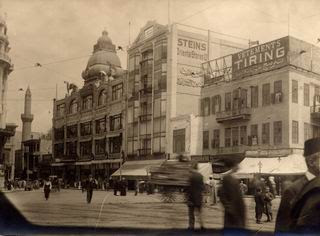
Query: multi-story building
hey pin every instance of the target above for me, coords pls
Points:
(88, 123)
(164, 82)
(38, 157)
(263, 101)
(6, 130)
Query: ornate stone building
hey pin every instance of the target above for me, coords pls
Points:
(88, 123)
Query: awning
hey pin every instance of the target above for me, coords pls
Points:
(293, 164)
(135, 169)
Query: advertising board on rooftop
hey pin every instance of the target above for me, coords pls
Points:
(259, 59)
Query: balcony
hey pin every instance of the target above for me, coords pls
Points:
(315, 112)
(241, 114)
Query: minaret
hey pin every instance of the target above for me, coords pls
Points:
(27, 117)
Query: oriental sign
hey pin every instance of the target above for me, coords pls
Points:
(259, 59)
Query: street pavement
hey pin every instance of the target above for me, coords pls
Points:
(69, 208)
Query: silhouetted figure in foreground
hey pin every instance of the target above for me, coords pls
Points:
(194, 196)
(231, 198)
(300, 204)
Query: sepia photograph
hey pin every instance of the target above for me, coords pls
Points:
(159, 117)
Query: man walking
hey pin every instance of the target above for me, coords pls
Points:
(194, 196)
(259, 200)
(300, 204)
(90, 185)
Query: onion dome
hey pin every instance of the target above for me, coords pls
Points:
(104, 59)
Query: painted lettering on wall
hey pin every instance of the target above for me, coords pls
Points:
(261, 58)
(192, 48)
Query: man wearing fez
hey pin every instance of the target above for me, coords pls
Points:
(300, 205)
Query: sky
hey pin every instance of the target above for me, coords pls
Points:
(60, 34)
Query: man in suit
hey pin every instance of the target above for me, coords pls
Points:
(90, 185)
(194, 196)
(259, 200)
(300, 205)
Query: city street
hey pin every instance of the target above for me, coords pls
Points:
(69, 208)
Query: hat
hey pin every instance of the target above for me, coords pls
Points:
(311, 146)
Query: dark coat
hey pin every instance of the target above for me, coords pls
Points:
(305, 213)
(90, 184)
(195, 189)
(288, 198)
(259, 200)
(234, 207)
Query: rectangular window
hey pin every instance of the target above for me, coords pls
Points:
(216, 104)
(235, 136)
(85, 148)
(227, 137)
(294, 91)
(228, 101)
(277, 132)
(266, 133)
(72, 131)
(206, 106)
(115, 122)
(216, 139)
(205, 139)
(179, 137)
(243, 98)
(266, 94)
(117, 91)
(295, 131)
(307, 131)
(85, 128)
(61, 110)
(243, 135)
(115, 144)
(71, 148)
(316, 90)
(277, 86)
(235, 99)
(100, 126)
(306, 94)
(254, 96)
(254, 135)
(100, 146)
(59, 133)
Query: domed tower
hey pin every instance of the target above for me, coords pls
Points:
(5, 68)
(27, 117)
(104, 60)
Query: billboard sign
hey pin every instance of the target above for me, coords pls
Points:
(192, 51)
(261, 58)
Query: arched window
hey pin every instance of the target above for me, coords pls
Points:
(102, 98)
(73, 107)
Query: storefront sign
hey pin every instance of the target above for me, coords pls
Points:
(262, 58)
(192, 48)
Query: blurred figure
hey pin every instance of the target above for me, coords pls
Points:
(273, 185)
(47, 186)
(299, 208)
(243, 188)
(115, 187)
(268, 197)
(194, 196)
(231, 198)
(136, 189)
(259, 200)
(213, 192)
(123, 188)
(90, 185)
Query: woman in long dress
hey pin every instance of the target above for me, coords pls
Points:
(47, 188)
